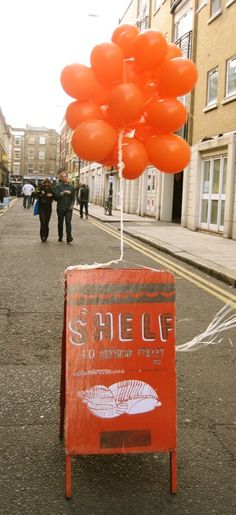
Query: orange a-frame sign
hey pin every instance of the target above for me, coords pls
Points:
(118, 380)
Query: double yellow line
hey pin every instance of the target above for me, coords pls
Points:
(211, 288)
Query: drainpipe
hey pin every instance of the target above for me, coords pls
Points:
(193, 57)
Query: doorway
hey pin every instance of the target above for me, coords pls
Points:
(177, 197)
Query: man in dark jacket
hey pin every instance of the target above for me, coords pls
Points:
(44, 194)
(84, 199)
(65, 197)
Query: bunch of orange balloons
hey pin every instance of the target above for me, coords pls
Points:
(131, 87)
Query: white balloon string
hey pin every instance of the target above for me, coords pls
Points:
(120, 171)
(223, 321)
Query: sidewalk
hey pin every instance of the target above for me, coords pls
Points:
(212, 254)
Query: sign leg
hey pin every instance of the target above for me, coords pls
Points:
(63, 373)
(68, 477)
(62, 390)
(173, 472)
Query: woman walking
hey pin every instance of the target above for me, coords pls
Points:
(44, 194)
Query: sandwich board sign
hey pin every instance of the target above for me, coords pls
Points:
(118, 379)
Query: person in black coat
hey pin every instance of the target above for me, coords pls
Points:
(65, 197)
(44, 194)
(84, 200)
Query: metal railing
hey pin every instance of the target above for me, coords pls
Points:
(185, 44)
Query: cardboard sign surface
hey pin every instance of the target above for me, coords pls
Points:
(120, 361)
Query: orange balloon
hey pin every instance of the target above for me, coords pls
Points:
(107, 63)
(78, 81)
(173, 51)
(101, 94)
(166, 114)
(125, 104)
(178, 77)
(134, 157)
(107, 117)
(150, 49)
(143, 131)
(78, 112)
(168, 152)
(93, 140)
(108, 160)
(124, 36)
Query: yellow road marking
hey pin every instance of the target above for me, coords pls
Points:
(200, 282)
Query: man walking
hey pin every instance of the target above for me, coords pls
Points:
(65, 197)
(27, 191)
(84, 200)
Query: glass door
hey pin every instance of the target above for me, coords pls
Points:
(213, 194)
(150, 204)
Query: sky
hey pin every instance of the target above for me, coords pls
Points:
(38, 38)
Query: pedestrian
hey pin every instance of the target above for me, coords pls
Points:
(84, 200)
(27, 191)
(65, 197)
(44, 193)
(77, 188)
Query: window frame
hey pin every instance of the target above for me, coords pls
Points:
(227, 94)
(30, 154)
(42, 153)
(209, 76)
(218, 10)
(17, 153)
(30, 168)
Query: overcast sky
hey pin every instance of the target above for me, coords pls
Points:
(37, 39)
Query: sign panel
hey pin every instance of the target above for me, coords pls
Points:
(120, 391)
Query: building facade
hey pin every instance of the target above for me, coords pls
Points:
(202, 197)
(17, 155)
(209, 193)
(41, 152)
(34, 153)
(5, 151)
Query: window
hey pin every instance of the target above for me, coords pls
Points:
(41, 167)
(16, 153)
(184, 24)
(212, 84)
(41, 154)
(52, 165)
(157, 5)
(16, 168)
(142, 21)
(142, 8)
(151, 191)
(17, 140)
(215, 7)
(30, 168)
(31, 140)
(30, 154)
(231, 77)
(42, 140)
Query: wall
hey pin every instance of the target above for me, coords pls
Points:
(216, 43)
